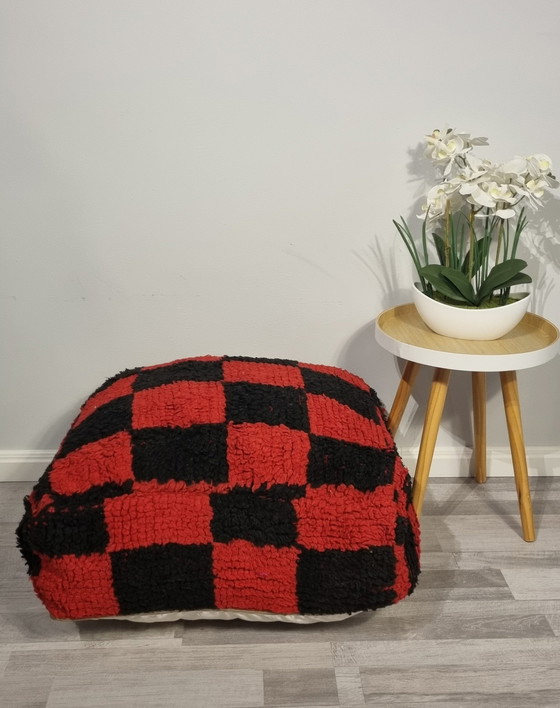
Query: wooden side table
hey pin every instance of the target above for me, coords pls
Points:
(534, 341)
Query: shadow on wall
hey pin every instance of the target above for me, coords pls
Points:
(52, 436)
(540, 247)
(380, 260)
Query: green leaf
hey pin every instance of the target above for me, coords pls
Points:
(432, 273)
(440, 247)
(408, 240)
(478, 255)
(499, 276)
(461, 282)
(518, 279)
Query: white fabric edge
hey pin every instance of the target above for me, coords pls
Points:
(227, 615)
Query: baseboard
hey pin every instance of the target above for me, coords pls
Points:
(542, 461)
(24, 465)
(29, 465)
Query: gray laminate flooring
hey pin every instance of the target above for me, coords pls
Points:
(483, 628)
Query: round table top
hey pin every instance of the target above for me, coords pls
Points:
(401, 331)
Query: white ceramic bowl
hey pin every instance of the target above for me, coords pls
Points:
(466, 323)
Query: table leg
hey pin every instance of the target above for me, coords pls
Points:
(432, 420)
(403, 394)
(515, 431)
(479, 419)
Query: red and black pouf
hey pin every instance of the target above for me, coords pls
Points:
(224, 483)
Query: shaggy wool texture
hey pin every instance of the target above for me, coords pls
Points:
(228, 483)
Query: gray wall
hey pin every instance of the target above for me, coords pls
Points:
(182, 178)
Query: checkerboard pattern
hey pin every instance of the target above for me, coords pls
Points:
(224, 483)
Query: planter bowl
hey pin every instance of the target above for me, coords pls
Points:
(470, 323)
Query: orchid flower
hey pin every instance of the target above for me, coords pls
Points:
(476, 214)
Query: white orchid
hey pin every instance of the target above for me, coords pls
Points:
(534, 190)
(477, 196)
(516, 167)
(475, 214)
(539, 164)
(501, 192)
(535, 187)
(478, 141)
(445, 147)
(439, 198)
(481, 184)
(475, 167)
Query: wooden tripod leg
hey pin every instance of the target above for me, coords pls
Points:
(403, 394)
(512, 408)
(479, 419)
(432, 420)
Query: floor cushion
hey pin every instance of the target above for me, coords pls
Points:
(224, 486)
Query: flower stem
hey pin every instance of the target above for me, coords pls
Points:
(472, 242)
(446, 233)
(500, 240)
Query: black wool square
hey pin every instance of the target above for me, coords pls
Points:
(195, 454)
(258, 517)
(111, 418)
(404, 536)
(261, 403)
(181, 371)
(337, 462)
(402, 530)
(332, 582)
(407, 488)
(163, 578)
(262, 360)
(63, 532)
(110, 381)
(24, 542)
(357, 399)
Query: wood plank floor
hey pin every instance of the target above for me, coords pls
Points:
(482, 628)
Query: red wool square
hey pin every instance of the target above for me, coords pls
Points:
(252, 578)
(266, 454)
(335, 420)
(182, 404)
(400, 473)
(339, 517)
(262, 373)
(122, 387)
(77, 587)
(107, 460)
(137, 520)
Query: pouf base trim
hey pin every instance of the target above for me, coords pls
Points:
(194, 615)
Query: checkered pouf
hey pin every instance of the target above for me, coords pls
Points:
(224, 483)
